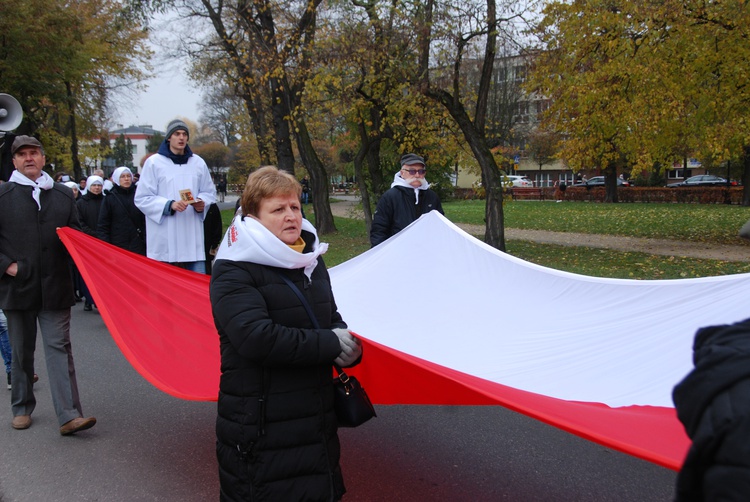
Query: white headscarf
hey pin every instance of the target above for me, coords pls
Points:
(93, 180)
(398, 181)
(43, 182)
(119, 172)
(247, 239)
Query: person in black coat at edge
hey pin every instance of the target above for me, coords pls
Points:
(89, 206)
(276, 428)
(713, 403)
(120, 222)
(213, 231)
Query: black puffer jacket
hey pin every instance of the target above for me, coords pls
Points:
(89, 206)
(276, 428)
(713, 403)
(120, 222)
(397, 209)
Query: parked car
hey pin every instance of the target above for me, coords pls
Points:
(513, 180)
(598, 181)
(701, 180)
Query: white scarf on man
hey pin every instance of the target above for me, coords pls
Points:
(44, 182)
(398, 181)
(247, 239)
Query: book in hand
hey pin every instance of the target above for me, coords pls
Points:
(186, 195)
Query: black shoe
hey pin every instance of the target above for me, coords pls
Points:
(87, 307)
(9, 381)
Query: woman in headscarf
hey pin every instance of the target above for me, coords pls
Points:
(120, 222)
(89, 206)
(276, 428)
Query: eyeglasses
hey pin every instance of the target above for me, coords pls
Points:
(414, 171)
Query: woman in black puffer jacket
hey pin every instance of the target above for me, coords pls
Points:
(120, 222)
(276, 428)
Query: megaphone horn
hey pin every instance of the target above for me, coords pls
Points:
(11, 113)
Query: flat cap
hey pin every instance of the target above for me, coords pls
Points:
(410, 159)
(22, 141)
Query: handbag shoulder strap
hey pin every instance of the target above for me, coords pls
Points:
(313, 319)
(302, 300)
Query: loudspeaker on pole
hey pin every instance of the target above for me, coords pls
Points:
(11, 113)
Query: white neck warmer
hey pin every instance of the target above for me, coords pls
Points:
(248, 240)
(44, 182)
(398, 181)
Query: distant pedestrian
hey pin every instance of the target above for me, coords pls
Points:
(221, 189)
(305, 190)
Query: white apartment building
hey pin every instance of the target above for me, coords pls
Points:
(138, 136)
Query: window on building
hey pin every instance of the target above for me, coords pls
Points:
(678, 174)
(520, 73)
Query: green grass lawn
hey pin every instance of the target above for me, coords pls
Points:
(716, 223)
(705, 223)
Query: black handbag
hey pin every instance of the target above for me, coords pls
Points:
(352, 405)
(350, 400)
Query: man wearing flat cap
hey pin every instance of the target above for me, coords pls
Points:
(174, 190)
(408, 198)
(37, 286)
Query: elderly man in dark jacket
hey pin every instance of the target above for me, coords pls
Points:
(408, 198)
(713, 403)
(37, 285)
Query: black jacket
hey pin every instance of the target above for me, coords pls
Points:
(276, 428)
(397, 209)
(29, 237)
(89, 206)
(212, 233)
(713, 403)
(120, 222)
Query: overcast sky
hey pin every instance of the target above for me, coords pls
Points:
(169, 96)
(170, 93)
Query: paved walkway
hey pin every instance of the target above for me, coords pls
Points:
(346, 206)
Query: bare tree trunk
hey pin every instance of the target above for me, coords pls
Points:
(318, 180)
(280, 112)
(610, 183)
(364, 193)
(474, 132)
(257, 119)
(494, 234)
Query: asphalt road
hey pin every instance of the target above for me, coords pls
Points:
(148, 446)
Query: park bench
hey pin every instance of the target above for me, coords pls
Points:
(527, 193)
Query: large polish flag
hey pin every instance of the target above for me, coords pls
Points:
(447, 320)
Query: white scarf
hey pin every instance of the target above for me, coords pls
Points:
(398, 181)
(248, 240)
(44, 182)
